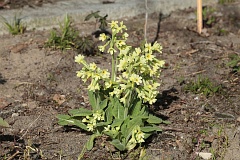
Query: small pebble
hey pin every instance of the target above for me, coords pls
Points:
(15, 115)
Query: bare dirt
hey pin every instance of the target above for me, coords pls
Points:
(18, 4)
(37, 83)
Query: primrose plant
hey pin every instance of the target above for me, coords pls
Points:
(120, 98)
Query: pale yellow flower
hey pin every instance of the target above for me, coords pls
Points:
(122, 64)
(161, 63)
(111, 51)
(149, 56)
(107, 128)
(125, 75)
(102, 37)
(157, 47)
(92, 66)
(125, 35)
(140, 137)
(97, 115)
(101, 48)
(138, 51)
(84, 120)
(120, 43)
(135, 79)
(90, 127)
(148, 47)
(79, 58)
(108, 84)
(105, 74)
(114, 24)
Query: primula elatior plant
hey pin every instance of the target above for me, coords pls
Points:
(119, 99)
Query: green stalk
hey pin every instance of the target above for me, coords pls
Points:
(113, 76)
(128, 102)
(113, 69)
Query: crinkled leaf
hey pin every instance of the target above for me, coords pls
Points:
(99, 124)
(137, 121)
(92, 99)
(109, 115)
(111, 134)
(93, 14)
(79, 123)
(130, 145)
(136, 108)
(166, 122)
(118, 109)
(124, 127)
(150, 129)
(118, 144)
(64, 119)
(80, 112)
(3, 123)
(68, 120)
(117, 123)
(91, 141)
(154, 120)
(103, 104)
(146, 135)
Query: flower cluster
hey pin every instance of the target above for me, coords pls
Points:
(93, 119)
(136, 69)
(137, 137)
(91, 71)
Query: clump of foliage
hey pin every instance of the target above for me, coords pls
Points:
(234, 62)
(208, 17)
(66, 38)
(15, 26)
(102, 20)
(119, 99)
(225, 1)
(203, 86)
(3, 123)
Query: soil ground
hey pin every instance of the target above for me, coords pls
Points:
(17, 4)
(37, 83)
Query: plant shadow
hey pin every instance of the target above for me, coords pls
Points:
(165, 99)
(11, 138)
(2, 80)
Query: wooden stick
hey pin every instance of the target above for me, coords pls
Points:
(146, 19)
(199, 16)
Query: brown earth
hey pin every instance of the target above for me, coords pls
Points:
(37, 83)
(17, 4)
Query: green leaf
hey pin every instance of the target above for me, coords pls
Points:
(109, 115)
(147, 134)
(99, 124)
(130, 125)
(166, 122)
(117, 122)
(150, 129)
(92, 99)
(80, 112)
(3, 123)
(93, 14)
(130, 145)
(137, 108)
(103, 104)
(64, 119)
(111, 134)
(118, 144)
(91, 141)
(118, 109)
(154, 120)
(80, 124)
